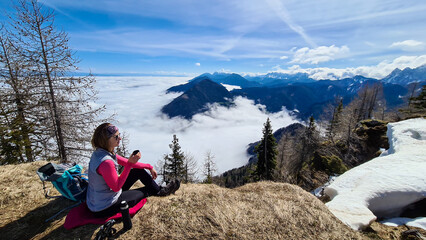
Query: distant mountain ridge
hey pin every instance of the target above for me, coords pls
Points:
(406, 76)
(276, 79)
(280, 79)
(277, 91)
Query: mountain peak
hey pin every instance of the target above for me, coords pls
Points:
(396, 71)
(196, 98)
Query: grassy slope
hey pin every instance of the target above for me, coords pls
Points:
(262, 210)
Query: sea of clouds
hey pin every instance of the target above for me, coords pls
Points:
(137, 103)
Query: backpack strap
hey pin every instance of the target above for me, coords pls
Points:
(52, 217)
(47, 191)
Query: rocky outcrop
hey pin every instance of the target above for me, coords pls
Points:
(372, 134)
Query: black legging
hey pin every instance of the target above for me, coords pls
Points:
(132, 197)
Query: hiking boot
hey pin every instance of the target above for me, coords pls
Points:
(167, 190)
(177, 185)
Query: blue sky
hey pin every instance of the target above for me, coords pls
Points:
(325, 38)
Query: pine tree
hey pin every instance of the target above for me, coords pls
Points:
(209, 167)
(309, 141)
(312, 135)
(266, 154)
(174, 163)
(334, 123)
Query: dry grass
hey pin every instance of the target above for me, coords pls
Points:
(262, 210)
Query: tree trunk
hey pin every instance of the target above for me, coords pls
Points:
(56, 117)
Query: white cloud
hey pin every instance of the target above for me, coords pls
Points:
(283, 57)
(197, 64)
(378, 71)
(226, 132)
(319, 54)
(408, 45)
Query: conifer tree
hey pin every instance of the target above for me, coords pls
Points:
(209, 167)
(309, 141)
(334, 122)
(174, 163)
(266, 154)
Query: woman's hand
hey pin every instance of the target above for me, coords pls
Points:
(135, 158)
(153, 173)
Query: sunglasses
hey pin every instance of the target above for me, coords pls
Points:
(116, 137)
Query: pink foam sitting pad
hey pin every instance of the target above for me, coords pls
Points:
(81, 215)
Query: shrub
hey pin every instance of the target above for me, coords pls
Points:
(329, 164)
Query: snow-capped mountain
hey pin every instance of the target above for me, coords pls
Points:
(406, 76)
(280, 79)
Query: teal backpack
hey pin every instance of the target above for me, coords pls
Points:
(68, 180)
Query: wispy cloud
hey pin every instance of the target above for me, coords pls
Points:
(164, 43)
(254, 34)
(362, 14)
(409, 45)
(153, 43)
(280, 10)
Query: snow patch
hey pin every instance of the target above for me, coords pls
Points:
(383, 186)
(230, 87)
(319, 192)
(419, 222)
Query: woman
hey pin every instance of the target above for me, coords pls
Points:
(106, 188)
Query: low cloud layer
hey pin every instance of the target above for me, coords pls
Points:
(225, 132)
